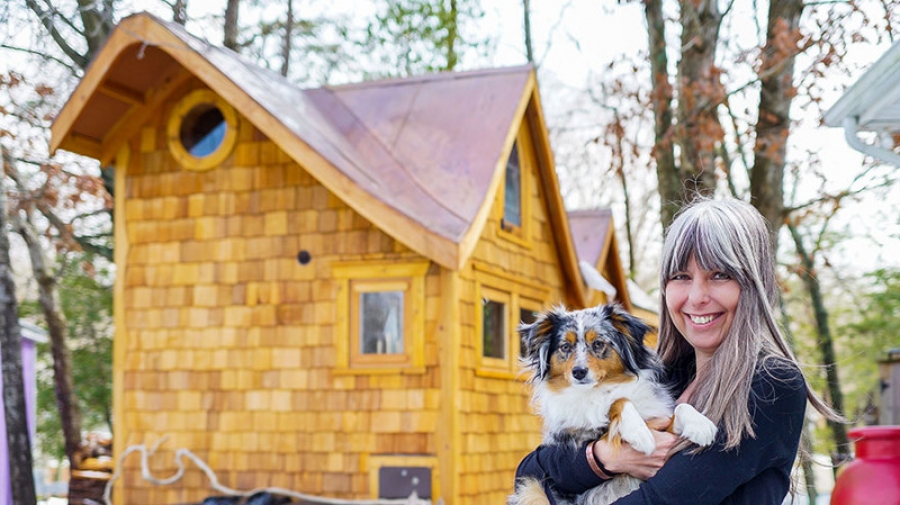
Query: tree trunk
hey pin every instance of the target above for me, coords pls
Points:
(179, 12)
(48, 297)
(809, 474)
(288, 43)
(17, 434)
(774, 122)
(699, 94)
(452, 35)
(669, 183)
(230, 40)
(526, 25)
(826, 346)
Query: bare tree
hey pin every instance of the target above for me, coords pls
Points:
(230, 39)
(17, 435)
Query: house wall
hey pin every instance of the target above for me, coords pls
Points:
(229, 347)
(497, 425)
(227, 344)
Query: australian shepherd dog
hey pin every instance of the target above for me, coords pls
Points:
(592, 377)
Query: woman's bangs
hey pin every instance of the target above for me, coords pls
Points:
(710, 245)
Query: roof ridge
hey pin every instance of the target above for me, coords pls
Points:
(418, 79)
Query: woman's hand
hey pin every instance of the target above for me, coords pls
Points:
(637, 464)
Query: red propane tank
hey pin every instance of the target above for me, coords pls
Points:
(873, 477)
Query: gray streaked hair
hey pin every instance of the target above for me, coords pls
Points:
(730, 236)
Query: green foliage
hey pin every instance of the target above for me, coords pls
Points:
(86, 301)
(867, 338)
(411, 37)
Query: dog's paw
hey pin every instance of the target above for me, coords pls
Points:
(634, 430)
(693, 425)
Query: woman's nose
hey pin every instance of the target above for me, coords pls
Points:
(699, 293)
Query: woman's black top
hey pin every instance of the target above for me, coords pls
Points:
(757, 472)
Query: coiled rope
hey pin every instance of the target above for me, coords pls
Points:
(413, 498)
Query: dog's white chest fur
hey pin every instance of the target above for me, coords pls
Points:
(578, 409)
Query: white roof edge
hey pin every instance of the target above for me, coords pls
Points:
(874, 84)
(32, 332)
(640, 298)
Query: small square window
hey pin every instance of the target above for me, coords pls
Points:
(381, 323)
(381, 328)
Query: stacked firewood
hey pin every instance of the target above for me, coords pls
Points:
(87, 481)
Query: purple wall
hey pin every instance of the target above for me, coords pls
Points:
(29, 354)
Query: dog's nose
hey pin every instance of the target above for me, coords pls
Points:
(579, 373)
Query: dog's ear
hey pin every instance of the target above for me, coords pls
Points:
(634, 353)
(537, 339)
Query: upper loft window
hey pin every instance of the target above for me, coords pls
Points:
(512, 204)
(202, 130)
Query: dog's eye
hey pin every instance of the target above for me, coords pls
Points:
(565, 347)
(598, 346)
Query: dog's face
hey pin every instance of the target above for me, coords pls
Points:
(585, 348)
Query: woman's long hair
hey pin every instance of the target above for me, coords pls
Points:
(732, 237)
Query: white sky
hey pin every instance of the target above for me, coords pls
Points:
(573, 38)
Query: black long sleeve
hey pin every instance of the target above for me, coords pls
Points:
(757, 472)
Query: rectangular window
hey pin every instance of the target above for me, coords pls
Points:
(380, 324)
(381, 327)
(526, 316)
(502, 302)
(512, 204)
(493, 329)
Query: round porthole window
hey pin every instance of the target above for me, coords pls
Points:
(202, 130)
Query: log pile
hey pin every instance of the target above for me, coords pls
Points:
(88, 481)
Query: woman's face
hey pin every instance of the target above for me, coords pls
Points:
(702, 303)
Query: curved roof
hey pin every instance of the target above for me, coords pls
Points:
(422, 158)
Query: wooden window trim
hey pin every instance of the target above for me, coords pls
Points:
(503, 364)
(521, 294)
(520, 235)
(361, 276)
(181, 110)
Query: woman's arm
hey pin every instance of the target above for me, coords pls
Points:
(759, 468)
(569, 470)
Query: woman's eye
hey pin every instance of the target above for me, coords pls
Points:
(721, 276)
(679, 277)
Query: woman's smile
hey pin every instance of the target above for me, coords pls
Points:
(702, 304)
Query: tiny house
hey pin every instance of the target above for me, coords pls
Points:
(318, 289)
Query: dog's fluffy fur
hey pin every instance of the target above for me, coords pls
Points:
(592, 377)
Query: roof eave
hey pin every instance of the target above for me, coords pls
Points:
(873, 88)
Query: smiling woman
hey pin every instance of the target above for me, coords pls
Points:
(702, 304)
(724, 355)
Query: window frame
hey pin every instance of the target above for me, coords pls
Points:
(518, 234)
(358, 287)
(519, 294)
(504, 297)
(173, 130)
(356, 277)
